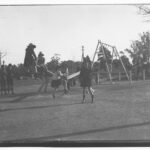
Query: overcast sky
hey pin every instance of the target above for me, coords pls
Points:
(63, 29)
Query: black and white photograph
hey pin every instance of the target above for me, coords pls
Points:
(75, 74)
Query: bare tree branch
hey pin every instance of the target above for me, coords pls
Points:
(143, 10)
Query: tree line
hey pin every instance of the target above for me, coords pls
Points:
(136, 59)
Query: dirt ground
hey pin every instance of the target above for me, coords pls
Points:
(120, 112)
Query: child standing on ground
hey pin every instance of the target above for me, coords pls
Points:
(65, 79)
(3, 80)
(86, 78)
(10, 84)
(56, 80)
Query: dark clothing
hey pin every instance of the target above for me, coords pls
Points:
(30, 57)
(43, 71)
(3, 80)
(41, 61)
(85, 77)
(9, 79)
(56, 83)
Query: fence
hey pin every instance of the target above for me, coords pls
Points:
(120, 76)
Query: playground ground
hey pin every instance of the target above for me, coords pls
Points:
(120, 112)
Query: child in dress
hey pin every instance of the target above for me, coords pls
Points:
(86, 78)
(43, 72)
(56, 80)
(65, 79)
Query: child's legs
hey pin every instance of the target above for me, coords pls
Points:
(46, 83)
(8, 86)
(65, 85)
(91, 91)
(84, 92)
(54, 91)
(42, 85)
(12, 86)
(4, 85)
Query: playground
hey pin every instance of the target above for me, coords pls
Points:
(74, 73)
(120, 112)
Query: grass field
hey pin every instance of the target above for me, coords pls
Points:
(119, 112)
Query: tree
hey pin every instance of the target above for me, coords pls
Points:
(140, 49)
(55, 61)
(140, 53)
(144, 11)
(126, 62)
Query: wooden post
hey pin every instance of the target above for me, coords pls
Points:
(130, 75)
(119, 76)
(121, 63)
(98, 78)
(144, 74)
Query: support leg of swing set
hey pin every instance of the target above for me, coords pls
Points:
(115, 50)
(95, 54)
(109, 73)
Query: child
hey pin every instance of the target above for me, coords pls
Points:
(56, 80)
(3, 80)
(85, 78)
(10, 85)
(65, 79)
(45, 79)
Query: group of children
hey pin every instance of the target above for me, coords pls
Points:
(58, 78)
(6, 80)
(85, 79)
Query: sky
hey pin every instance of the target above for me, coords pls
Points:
(63, 29)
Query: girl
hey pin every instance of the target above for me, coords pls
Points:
(56, 80)
(85, 77)
(65, 79)
(44, 74)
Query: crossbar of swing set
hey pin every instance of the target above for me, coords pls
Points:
(106, 44)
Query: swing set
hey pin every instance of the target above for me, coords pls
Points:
(101, 53)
